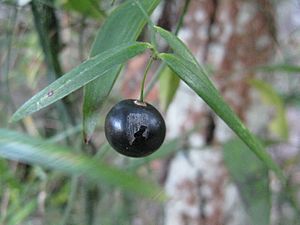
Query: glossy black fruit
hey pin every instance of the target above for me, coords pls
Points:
(134, 128)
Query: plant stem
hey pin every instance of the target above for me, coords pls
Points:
(144, 78)
(150, 24)
(71, 200)
(180, 21)
(6, 66)
(47, 28)
(163, 65)
(155, 78)
(81, 38)
(91, 199)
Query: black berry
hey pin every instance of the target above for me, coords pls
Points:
(134, 128)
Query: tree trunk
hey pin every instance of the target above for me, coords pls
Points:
(230, 35)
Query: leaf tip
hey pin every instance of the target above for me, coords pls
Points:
(14, 118)
(87, 138)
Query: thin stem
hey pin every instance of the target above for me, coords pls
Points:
(81, 38)
(290, 193)
(180, 21)
(144, 78)
(71, 200)
(100, 11)
(155, 78)
(48, 32)
(151, 25)
(145, 13)
(91, 193)
(6, 67)
(4, 205)
(163, 65)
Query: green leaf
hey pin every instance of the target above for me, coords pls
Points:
(251, 179)
(177, 45)
(292, 98)
(279, 123)
(15, 146)
(87, 8)
(22, 213)
(286, 68)
(123, 25)
(199, 82)
(196, 78)
(168, 85)
(86, 72)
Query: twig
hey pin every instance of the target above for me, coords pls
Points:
(144, 78)
(80, 38)
(180, 21)
(6, 67)
(91, 197)
(4, 204)
(71, 200)
(150, 24)
(163, 65)
(212, 20)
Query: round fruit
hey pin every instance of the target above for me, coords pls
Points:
(134, 128)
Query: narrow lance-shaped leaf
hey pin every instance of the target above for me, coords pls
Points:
(22, 213)
(278, 124)
(123, 25)
(285, 68)
(168, 85)
(189, 70)
(198, 81)
(251, 179)
(16, 146)
(89, 70)
(88, 8)
(181, 50)
(177, 45)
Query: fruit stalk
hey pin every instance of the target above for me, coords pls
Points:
(144, 78)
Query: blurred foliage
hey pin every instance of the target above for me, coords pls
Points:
(252, 179)
(286, 68)
(16, 146)
(278, 125)
(168, 83)
(27, 191)
(86, 8)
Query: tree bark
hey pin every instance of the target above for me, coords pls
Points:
(232, 36)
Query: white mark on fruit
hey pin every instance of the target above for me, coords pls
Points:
(137, 127)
